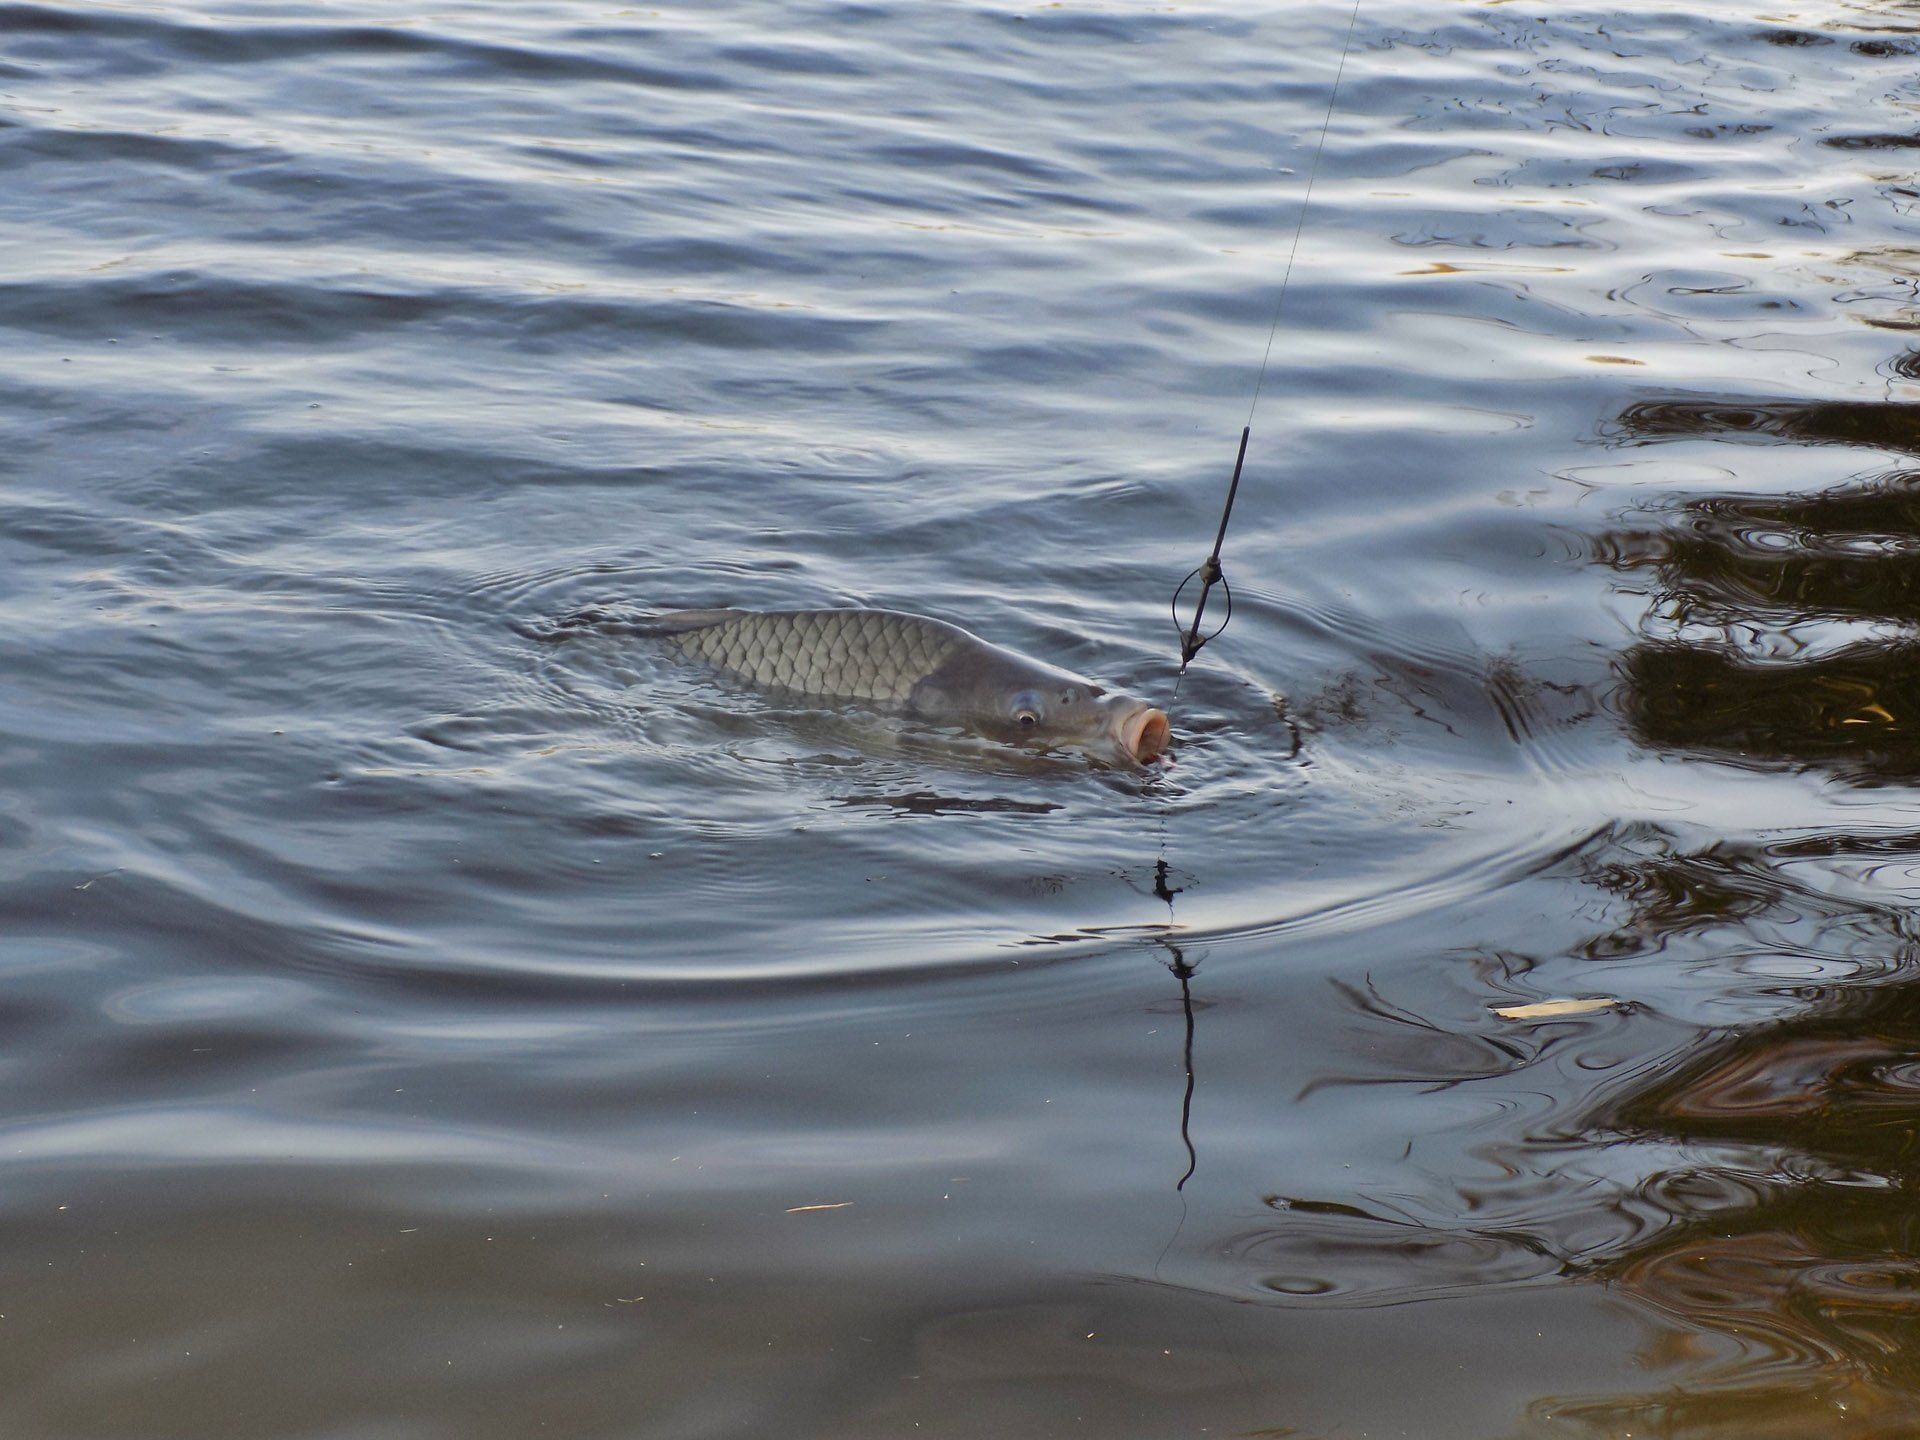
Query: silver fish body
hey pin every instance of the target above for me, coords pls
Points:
(918, 666)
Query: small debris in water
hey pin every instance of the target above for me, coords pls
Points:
(1555, 1009)
(803, 1209)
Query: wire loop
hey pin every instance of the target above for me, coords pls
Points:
(1191, 642)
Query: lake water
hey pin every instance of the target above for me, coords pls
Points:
(413, 1025)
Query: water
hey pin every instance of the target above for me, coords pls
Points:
(414, 1027)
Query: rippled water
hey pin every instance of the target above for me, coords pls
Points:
(416, 1027)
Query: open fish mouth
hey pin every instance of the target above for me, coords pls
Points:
(1145, 734)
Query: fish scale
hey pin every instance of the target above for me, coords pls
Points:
(853, 655)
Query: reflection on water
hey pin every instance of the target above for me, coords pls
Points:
(1891, 425)
(1856, 709)
(1785, 1273)
(1774, 1247)
(1782, 622)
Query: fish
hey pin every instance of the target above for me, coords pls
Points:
(921, 667)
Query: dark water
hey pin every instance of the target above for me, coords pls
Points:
(414, 1028)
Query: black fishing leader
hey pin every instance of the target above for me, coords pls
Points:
(1209, 573)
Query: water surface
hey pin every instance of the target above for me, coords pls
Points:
(416, 1025)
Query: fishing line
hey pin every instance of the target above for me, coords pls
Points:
(1209, 572)
(1192, 640)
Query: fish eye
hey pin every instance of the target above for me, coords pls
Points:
(1067, 697)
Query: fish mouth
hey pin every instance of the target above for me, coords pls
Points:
(1145, 733)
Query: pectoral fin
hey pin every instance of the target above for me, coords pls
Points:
(929, 701)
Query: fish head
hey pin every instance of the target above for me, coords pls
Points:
(1011, 698)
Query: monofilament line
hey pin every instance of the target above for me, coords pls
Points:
(1306, 201)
